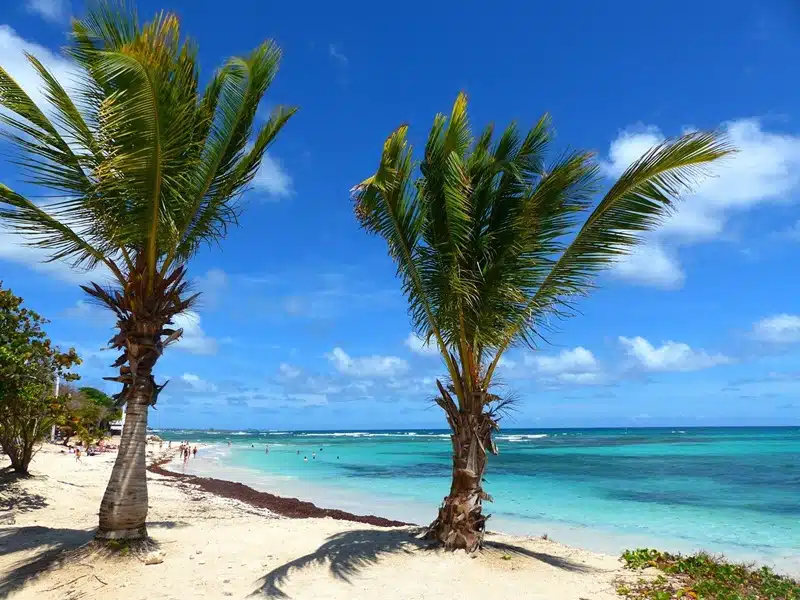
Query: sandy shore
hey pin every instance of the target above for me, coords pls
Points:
(218, 547)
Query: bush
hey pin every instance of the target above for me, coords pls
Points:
(703, 577)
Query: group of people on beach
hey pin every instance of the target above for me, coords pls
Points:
(90, 450)
(185, 450)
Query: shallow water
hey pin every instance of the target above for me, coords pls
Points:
(731, 490)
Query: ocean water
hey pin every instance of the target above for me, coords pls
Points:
(727, 490)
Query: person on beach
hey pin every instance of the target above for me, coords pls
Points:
(194, 451)
(266, 449)
(78, 455)
(169, 444)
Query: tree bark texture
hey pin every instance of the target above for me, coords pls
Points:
(123, 510)
(461, 522)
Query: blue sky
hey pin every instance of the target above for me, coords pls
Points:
(302, 324)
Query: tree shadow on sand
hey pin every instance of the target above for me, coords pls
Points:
(53, 545)
(14, 497)
(50, 547)
(349, 552)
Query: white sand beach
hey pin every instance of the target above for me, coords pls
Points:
(214, 547)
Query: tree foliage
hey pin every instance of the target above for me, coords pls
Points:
(84, 413)
(493, 240)
(29, 364)
(142, 166)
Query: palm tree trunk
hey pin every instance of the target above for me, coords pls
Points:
(123, 511)
(461, 523)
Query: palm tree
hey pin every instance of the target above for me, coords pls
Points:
(488, 247)
(143, 168)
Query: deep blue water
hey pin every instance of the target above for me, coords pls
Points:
(735, 490)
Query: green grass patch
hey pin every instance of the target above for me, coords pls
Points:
(702, 577)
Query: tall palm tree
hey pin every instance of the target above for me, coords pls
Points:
(143, 168)
(492, 243)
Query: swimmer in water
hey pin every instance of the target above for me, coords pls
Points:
(305, 459)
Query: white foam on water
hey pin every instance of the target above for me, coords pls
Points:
(521, 437)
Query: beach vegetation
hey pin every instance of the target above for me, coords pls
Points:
(29, 366)
(84, 413)
(702, 576)
(493, 243)
(142, 167)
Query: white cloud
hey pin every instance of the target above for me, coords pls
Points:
(651, 265)
(194, 339)
(670, 356)
(272, 178)
(506, 363)
(13, 249)
(50, 10)
(13, 48)
(577, 360)
(367, 366)
(197, 384)
(575, 366)
(780, 329)
(288, 370)
(417, 345)
(766, 169)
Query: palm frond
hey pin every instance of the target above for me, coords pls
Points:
(386, 204)
(44, 231)
(638, 202)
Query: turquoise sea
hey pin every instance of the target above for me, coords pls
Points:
(729, 490)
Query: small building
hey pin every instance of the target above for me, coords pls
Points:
(116, 426)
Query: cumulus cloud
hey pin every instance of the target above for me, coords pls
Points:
(651, 265)
(567, 361)
(778, 329)
(197, 384)
(417, 345)
(13, 49)
(366, 366)
(577, 366)
(766, 169)
(50, 10)
(194, 339)
(273, 178)
(670, 356)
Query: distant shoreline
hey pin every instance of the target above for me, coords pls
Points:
(156, 430)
